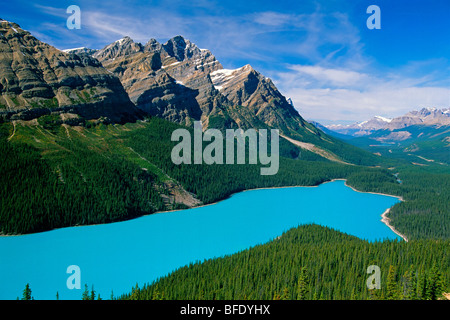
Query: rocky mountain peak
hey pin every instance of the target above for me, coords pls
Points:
(181, 48)
(119, 48)
(153, 46)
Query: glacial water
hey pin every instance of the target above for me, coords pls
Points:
(114, 257)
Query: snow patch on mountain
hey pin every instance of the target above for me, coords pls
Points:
(383, 119)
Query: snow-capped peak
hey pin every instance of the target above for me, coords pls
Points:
(362, 123)
(120, 41)
(73, 49)
(383, 119)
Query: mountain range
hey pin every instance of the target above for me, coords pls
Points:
(126, 81)
(423, 134)
(423, 117)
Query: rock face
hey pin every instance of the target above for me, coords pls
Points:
(37, 79)
(257, 98)
(183, 83)
(168, 80)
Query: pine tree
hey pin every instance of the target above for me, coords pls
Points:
(409, 285)
(302, 284)
(391, 290)
(421, 286)
(92, 296)
(27, 293)
(135, 293)
(85, 295)
(353, 294)
(285, 295)
(434, 287)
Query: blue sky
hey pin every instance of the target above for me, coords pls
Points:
(319, 53)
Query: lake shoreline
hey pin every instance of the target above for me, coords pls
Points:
(387, 221)
(384, 217)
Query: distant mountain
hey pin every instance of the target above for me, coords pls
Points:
(361, 128)
(38, 79)
(331, 132)
(425, 117)
(418, 135)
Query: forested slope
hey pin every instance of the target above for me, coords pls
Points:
(312, 262)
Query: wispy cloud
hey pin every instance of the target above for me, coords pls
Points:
(271, 18)
(341, 94)
(259, 35)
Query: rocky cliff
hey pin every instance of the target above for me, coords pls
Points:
(167, 80)
(37, 79)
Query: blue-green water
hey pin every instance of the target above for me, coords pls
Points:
(117, 256)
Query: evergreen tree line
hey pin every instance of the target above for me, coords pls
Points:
(425, 211)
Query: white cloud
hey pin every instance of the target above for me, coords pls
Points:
(331, 76)
(342, 94)
(270, 18)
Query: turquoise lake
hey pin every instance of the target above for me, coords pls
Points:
(114, 257)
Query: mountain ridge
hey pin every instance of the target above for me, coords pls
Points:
(425, 116)
(37, 79)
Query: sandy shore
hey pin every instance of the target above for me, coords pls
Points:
(384, 217)
(386, 221)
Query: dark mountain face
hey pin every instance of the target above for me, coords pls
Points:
(168, 80)
(37, 79)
